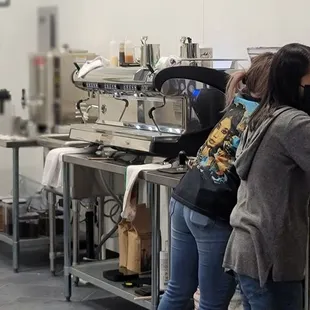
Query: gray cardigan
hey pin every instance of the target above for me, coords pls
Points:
(270, 220)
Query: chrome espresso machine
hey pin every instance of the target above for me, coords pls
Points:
(158, 113)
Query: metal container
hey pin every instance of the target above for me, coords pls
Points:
(189, 49)
(52, 96)
(150, 53)
(207, 53)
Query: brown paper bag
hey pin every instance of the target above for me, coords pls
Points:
(123, 228)
(140, 241)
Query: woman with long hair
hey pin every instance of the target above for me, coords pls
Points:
(202, 202)
(267, 247)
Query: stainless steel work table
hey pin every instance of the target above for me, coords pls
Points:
(15, 144)
(93, 272)
(49, 142)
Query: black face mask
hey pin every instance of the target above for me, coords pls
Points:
(305, 99)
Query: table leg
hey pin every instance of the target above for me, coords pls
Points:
(101, 210)
(52, 230)
(67, 230)
(15, 209)
(169, 230)
(154, 203)
(75, 236)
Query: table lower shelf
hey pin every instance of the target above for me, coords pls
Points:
(33, 242)
(93, 273)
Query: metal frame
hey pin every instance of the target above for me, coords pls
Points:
(15, 241)
(92, 271)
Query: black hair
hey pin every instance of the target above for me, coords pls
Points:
(288, 66)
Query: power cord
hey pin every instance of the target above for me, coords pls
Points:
(115, 227)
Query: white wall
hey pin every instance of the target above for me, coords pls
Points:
(94, 23)
(231, 26)
(228, 26)
(18, 37)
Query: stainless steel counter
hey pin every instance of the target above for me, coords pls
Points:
(99, 164)
(53, 141)
(161, 178)
(156, 177)
(17, 142)
(92, 272)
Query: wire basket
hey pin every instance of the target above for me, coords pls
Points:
(33, 192)
(28, 187)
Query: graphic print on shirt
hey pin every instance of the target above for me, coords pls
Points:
(218, 153)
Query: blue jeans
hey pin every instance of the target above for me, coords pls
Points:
(197, 249)
(273, 296)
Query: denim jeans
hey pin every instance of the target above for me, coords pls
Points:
(197, 248)
(273, 296)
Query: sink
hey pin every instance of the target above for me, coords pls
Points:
(52, 141)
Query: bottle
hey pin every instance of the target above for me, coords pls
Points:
(129, 51)
(163, 268)
(121, 53)
(113, 54)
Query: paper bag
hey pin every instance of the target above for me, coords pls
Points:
(123, 228)
(140, 241)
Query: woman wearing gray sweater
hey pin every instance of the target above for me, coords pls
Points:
(267, 247)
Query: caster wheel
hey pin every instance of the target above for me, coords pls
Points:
(53, 273)
(68, 299)
(15, 270)
(76, 283)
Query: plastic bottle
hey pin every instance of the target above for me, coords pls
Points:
(164, 268)
(121, 53)
(113, 54)
(129, 52)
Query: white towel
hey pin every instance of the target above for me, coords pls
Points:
(166, 62)
(132, 174)
(91, 65)
(53, 167)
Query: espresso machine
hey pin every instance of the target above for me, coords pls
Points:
(152, 112)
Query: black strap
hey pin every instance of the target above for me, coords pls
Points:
(215, 78)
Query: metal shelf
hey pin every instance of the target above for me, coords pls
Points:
(92, 273)
(42, 240)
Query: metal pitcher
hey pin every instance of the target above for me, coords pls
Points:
(189, 49)
(150, 53)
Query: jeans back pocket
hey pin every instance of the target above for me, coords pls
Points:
(201, 220)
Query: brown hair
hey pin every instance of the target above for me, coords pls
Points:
(252, 82)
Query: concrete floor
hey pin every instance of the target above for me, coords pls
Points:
(34, 288)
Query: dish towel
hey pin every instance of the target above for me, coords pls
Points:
(91, 65)
(132, 173)
(53, 167)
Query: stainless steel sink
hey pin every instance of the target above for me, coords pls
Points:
(52, 141)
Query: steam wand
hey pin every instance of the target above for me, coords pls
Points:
(151, 116)
(117, 96)
(78, 106)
